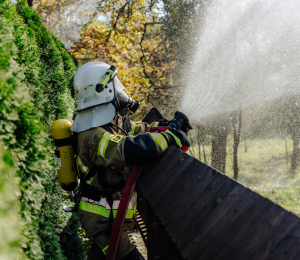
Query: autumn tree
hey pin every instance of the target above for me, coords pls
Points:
(130, 38)
(64, 18)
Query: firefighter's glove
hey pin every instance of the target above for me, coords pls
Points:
(163, 122)
(177, 138)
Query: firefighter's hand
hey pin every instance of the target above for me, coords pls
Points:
(163, 122)
(180, 135)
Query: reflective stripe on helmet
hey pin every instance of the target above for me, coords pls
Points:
(83, 168)
(103, 144)
(106, 77)
(160, 139)
(102, 208)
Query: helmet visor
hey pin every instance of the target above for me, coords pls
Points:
(123, 98)
(118, 83)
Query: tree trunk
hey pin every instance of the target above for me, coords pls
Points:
(236, 127)
(59, 18)
(199, 142)
(204, 155)
(245, 145)
(218, 145)
(30, 2)
(286, 152)
(191, 149)
(295, 155)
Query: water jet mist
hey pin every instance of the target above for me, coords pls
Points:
(248, 52)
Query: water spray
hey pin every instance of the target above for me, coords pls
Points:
(245, 53)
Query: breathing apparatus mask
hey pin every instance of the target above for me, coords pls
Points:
(123, 102)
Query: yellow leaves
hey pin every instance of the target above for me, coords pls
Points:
(125, 45)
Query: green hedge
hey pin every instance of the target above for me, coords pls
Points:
(35, 83)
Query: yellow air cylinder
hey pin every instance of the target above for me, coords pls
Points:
(67, 171)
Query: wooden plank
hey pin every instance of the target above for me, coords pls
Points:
(210, 216)
(288, 247)
(154, 238)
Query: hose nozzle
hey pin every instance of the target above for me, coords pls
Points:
(181, 122)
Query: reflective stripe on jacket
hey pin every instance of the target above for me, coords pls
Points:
(102, 208)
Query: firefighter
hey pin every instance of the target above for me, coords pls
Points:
(108, 144)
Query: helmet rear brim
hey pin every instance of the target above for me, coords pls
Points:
(93, 117)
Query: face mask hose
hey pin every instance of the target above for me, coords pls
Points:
(134, 105)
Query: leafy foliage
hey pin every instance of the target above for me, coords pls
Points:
(35, 78)
(9, 219)
(9, 206)
(74, 247)
(130, 39)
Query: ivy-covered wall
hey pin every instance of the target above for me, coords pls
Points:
(35, 89)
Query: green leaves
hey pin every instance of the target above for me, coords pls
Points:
(35, 79)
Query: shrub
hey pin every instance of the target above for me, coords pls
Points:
(35, 79)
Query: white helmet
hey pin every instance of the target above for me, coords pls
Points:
(99, 94)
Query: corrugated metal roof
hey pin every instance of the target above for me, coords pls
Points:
(210, 216)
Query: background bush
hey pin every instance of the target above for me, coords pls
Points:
(35, 77)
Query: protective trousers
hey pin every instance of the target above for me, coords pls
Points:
(97, 254)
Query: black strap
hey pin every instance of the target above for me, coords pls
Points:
(74, 142)
(63, 142)
(94, 193)
(115, 188)
(101, 178)
(107, 128)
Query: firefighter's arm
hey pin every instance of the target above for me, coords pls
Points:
(139, 127)
(120, 151)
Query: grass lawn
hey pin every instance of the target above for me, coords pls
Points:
(264, 168)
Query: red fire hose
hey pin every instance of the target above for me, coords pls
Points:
(121, 213)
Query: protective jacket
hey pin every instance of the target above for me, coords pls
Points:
(114, 153)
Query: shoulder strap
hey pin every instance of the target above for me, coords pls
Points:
(74, 141)
(107, 128)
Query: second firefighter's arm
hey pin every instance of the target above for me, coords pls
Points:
(120, 151)
(139, 127)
